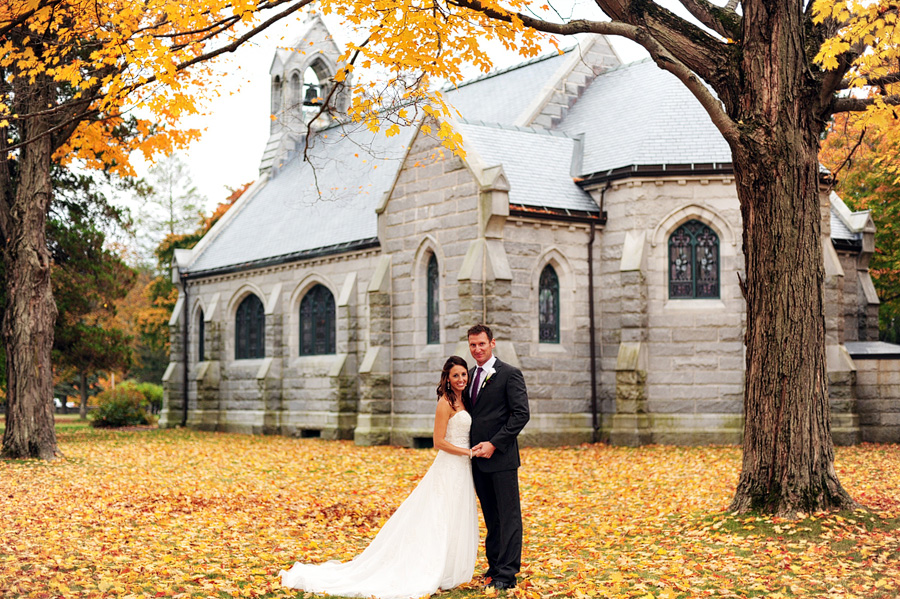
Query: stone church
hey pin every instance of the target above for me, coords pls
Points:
(593, 224)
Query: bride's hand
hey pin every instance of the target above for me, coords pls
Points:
(485, 450)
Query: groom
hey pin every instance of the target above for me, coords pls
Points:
(498, 404)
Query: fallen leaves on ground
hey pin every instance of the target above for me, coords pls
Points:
(192, 514)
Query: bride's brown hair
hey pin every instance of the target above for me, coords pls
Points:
(444, 388)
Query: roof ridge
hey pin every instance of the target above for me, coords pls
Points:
(503, 71)
(622, 67)
(538, 130)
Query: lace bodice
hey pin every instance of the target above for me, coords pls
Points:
(458, 429)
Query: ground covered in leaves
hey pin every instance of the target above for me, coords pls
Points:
(150, 513)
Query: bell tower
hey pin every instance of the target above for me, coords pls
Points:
(302, 77)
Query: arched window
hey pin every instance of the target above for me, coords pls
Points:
(548, 305)
(250, 329)
(313, 92)
(201, 335)
(693, 262)
(276, 95)
(434, 301)
(295, 90)
(317, 322)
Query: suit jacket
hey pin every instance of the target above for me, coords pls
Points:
(500, 412)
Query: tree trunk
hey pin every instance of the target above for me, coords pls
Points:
(788, 456)
(30, 310)
(82, 409)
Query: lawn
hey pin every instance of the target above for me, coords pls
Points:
(151, 513)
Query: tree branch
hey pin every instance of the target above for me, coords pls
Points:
(74, 120)
(724, 21)
(50, 111)
(240, 40)
(831, 82)
(80, 114)
(327, 101)
(877, 82)
(846, 160)
(20, 19)
(860, 104)
(213, 28)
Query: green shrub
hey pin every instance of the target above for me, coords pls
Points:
(153, 394)
(122, 406)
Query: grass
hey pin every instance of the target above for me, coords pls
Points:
(64, 422)
(175, 513)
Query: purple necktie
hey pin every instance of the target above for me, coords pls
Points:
(475, 384)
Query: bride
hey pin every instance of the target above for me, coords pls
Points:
(430, 542)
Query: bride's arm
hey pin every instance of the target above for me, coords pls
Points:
(441, 418)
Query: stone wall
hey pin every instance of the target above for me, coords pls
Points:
(678, 364)
(668, 371)
(557, 375)
(878, 399)
(431, 211)
(283, 392)
(489, 266)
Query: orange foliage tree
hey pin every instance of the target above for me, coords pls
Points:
(161, 294)
(73, 73)
(864, 155)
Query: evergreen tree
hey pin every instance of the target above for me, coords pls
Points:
(88, 279)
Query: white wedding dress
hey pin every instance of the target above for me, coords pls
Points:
(430, 542)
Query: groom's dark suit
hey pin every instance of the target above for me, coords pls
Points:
(499, 413)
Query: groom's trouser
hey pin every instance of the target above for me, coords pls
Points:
(498, 493)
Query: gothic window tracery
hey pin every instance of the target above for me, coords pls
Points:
(693, 262)
(250, 326)
(548, 305)
(317, 323)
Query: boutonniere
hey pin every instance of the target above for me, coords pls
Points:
(487, 376)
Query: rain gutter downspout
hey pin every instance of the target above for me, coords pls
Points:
(595, 412)
(184, 402)
(595, 420)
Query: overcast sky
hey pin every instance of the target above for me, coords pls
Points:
(236, 123)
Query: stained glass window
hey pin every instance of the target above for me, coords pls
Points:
(548, 305)
(434, 301)
(693, 262)
(317, 332)
(250, 329)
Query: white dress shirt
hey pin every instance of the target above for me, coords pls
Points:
(484, 370)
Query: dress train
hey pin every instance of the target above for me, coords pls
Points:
(430, 542)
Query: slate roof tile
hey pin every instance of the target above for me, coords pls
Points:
(640, 114)
(537, 164)
(352, 168)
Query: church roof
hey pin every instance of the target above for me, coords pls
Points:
(327, 201)
(502, 96)
(634, 115)
(846, 225)
(536, 162)
(639, 114)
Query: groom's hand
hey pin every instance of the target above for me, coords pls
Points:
(485, 449)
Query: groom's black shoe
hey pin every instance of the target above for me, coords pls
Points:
(500, 585)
